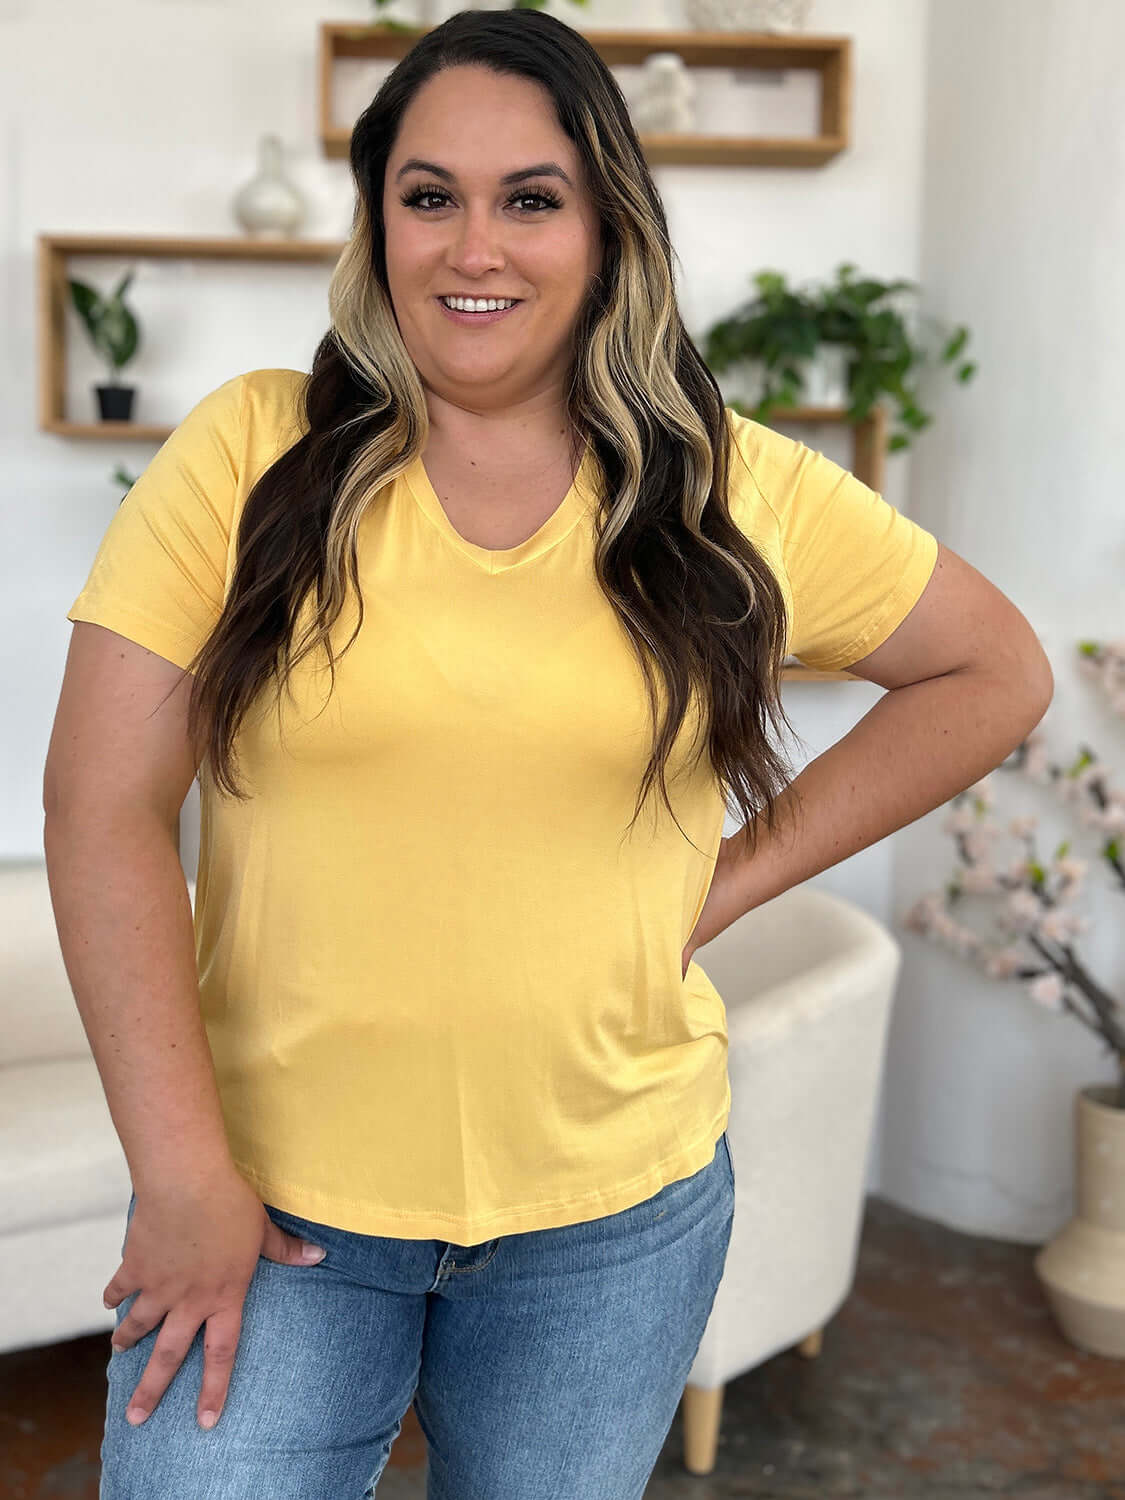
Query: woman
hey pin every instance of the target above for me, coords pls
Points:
(470, 635)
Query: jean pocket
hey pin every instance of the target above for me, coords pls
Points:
(730, 1159)
(301, 1228)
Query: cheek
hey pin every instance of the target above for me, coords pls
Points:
(405, 247)
(566, 260)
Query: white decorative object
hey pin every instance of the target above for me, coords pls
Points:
(667, 94)
(748, 15)
(826, 377)
(1082, 1269)
(269, 206)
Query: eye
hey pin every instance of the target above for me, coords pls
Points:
(544, 196)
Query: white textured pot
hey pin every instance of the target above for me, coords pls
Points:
(1083, 1268)
(747, 15)
(826, 377)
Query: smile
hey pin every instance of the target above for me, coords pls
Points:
(493, 315)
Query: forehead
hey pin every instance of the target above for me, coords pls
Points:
(481, 124)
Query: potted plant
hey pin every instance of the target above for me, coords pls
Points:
(115, 335)
(1082, 1268)
(849, 331)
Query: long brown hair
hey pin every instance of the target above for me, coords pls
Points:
(701, 608)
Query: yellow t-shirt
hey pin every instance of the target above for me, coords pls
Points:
(441, 989)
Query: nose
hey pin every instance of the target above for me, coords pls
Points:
(477, 247)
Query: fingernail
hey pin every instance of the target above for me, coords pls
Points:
(135, 1414)
(311, 1252)
(207, 1418)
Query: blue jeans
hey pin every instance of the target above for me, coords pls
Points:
(546, 1365)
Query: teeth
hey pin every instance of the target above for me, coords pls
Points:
(478, 304)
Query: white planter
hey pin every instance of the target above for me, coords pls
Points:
(826, 377)
(747, 15)
(1082, 1269)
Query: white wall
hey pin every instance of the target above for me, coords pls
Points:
(968, 171)
(1022, 229)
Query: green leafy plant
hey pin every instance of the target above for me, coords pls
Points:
(113, 329)
(121, 476)
(783, 327)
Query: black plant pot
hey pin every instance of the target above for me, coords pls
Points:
(115, 402)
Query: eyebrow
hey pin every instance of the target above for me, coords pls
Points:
(543, 169)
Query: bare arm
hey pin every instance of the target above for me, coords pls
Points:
(117, 771)
(966, 682)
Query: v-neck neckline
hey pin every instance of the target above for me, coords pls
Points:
(500, 559)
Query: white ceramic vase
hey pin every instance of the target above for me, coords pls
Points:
(1082, 1269)
(269, 206)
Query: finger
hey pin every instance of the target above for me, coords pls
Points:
(172, 1344)
(137, 1323)
(119, 1286)
(220, 1343)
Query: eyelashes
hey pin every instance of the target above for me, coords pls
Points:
(414, 196)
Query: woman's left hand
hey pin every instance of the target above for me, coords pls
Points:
(721, 906)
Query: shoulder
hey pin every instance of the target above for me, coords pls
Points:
(272, 394)
(762, 451)
(268, 406)
(760, 461)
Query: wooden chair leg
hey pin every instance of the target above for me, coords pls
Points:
(812, 1346)
(703, 1412)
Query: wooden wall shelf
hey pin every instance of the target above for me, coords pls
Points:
(54, 250)
(828, 56)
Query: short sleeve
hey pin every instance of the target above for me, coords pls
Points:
(856, 566)
(159, 574)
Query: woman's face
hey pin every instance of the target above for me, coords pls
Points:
(466, 231)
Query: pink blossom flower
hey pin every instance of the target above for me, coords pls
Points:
(960, 820)
(1058, 925)
(1047, 990)
(984, 790)
(921, 915)
(1036, 767)
(1021, 910)
(1004, 962)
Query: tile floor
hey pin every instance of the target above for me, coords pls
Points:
(943, 1376)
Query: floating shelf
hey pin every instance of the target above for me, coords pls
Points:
(54, 299)
(828, 56)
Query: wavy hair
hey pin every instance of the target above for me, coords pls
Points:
(701, 608)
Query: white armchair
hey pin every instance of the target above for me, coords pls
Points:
(808, 982)
(64, 1179)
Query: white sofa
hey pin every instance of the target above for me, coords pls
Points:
(808, 981)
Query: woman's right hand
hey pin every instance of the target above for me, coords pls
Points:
(190, 1252)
